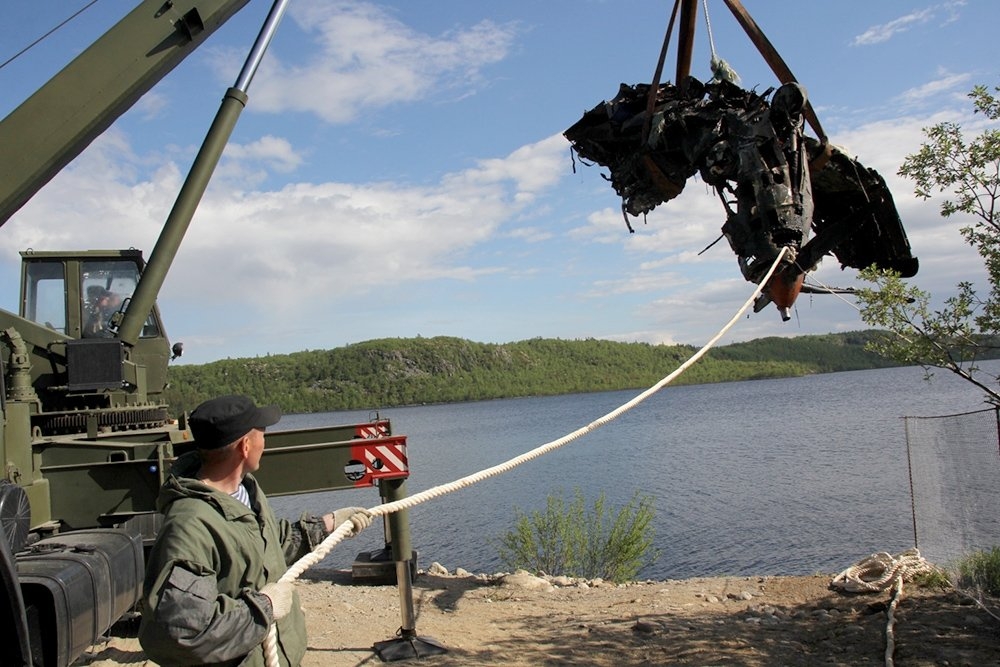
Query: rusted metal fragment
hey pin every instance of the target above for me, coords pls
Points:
(854, 207)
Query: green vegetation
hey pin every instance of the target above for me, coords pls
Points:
(572, 541)
(410, 371)
(980, 571)
(966, 328)
(935, 578)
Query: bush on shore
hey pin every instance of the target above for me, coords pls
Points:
(571, 540)
(980, 571)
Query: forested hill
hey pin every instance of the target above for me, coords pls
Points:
(406, 371)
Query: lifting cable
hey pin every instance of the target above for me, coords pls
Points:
(708, 29)
(346, 528)
(720, 68)
(46, 35)
(721, 71)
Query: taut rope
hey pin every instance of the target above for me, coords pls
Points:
(721, 71)
(345, 529)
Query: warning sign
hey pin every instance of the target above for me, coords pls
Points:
(379, 429)
(378, 458)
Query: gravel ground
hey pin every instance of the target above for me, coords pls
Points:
(524, 620)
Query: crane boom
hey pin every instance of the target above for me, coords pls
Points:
(55, 124)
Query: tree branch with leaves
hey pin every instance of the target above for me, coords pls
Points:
(966, 328)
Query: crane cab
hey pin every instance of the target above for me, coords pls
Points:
(71, 304)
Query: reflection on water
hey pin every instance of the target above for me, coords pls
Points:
(790, 476)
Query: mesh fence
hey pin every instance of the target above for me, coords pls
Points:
(954, 484)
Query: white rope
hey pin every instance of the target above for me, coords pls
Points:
(721, 71)
(346, 528)
(833, 292)
(882, 571)
(890, 623)
(879, 571)
(856, 307)
(708, 28)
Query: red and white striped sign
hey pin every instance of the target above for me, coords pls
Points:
(383, 458)
(379, 429)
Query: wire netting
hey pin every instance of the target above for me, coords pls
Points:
(954, 484)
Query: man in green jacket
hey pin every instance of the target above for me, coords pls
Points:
(211, 589)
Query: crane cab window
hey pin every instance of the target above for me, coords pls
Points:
(45, 295)
(105, 288)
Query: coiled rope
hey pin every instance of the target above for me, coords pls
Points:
(879, 572)
(346, 528)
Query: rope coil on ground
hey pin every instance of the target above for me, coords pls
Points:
(882, 571)
(346, 529)
(879, 572)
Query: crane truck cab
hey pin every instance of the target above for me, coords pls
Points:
(76, 301)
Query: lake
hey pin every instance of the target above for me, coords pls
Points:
(786, 476)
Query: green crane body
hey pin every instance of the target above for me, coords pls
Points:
(86, 438)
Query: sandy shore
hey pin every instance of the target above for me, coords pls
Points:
(524, 620)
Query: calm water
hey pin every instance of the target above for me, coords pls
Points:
(790, 476)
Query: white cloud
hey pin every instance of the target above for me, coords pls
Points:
(602, 226)
(946, 83)
(685, 225)
(366, 59)
(643, 280)
(152, 104)
(532, 168)
(103, 185)
(301, 245)
(332, 246)
(276, 152)
(886, 31)
(531, 234)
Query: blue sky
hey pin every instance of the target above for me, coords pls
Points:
(400, 169)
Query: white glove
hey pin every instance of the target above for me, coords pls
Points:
(281, 594)
(359, 517)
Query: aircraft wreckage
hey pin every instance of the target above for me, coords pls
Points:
(779, 187)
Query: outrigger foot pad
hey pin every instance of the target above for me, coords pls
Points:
(408, 646)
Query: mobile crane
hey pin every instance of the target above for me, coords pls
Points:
(87, 438)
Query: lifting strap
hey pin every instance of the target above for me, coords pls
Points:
(689, 12)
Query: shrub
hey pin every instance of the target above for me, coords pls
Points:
(569, 540)
(933, 578)
(981, 571)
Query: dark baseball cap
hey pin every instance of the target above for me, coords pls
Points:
(220, 421)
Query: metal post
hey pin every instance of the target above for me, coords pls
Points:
(407, 644)
(909, 470)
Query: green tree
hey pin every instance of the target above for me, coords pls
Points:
(964, 330)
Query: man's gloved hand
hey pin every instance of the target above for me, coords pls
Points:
(358, 516)
(281, 595)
